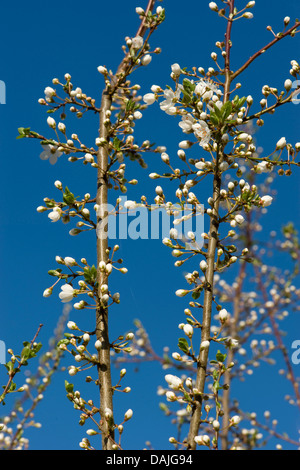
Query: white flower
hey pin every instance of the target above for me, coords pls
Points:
(73, 370)
(149, 98)
(239, 219)
(55, 215)
(281, 143)
(51, 122)
(102, 69)
(174, 233)
(137, 42)
(184, 144)
(146, 59)
(206, 89)
(47, 292)
(170, 99)
(67, 293)
(170, 396)
(200, 165)
(213, 6)
(128, 414)
(61, 127)
(202, 132)
(181, 292)
(70, 261)
(89, 158)
(50, 153)
(248, 15)
(159, 191)
(153, 176)
(72, 325)
(188, 330)
(235, 420)
(130, 205)
(58, 184)
(203, 265)
(244, 136)
(176, 69)
(173, 381)
(108, 413)
(266, 201)
(223, 166)
(137, 115)
(186, 123)
(223, 315)
(263, 167)
(204, 345)
(216, 425)
(49, 93)
(202, 440)
(288, 84)
(139, 10)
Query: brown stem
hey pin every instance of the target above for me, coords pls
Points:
(102, 330)
(230, 356)
(277, 334)
(264, 49)
(210, 258)
(17, 369)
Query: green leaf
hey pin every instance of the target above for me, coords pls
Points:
(218, 112)
(68, 197)
(9, 366)
(23, 132)
(183, 345)
(117, 143)
(226, 110)
(12, 387)
(90, 275)
(221, 357)
(25, 353)
(214, 119)
(69, 387)
(196, 295)
(188, 86)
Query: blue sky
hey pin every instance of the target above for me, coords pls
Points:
(43, 42)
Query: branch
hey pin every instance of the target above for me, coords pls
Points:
(264, 49)
(102, 331)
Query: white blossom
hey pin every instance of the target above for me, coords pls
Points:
(149, 98)
(137, 42)
(69, 261)
(170, 99)
(173, 381)
(176, 69)
(188, 330)
(49, 93)
(266, 201)
(146, 59)
(50, 153)
(202, 132)
(128, 414)
(223, 315)
(67, 293)
(281, 143)
(54, 215)
(51, 122)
